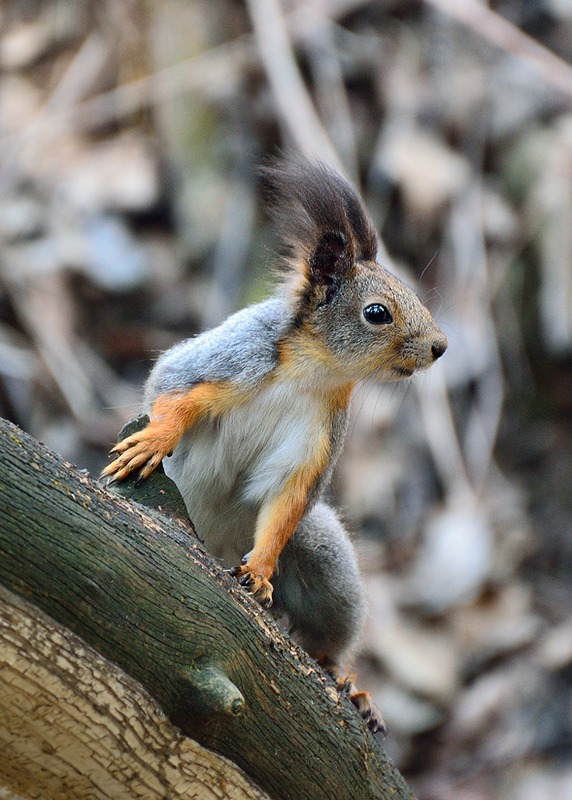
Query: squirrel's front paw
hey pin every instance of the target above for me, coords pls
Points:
(142, 451)
(256, 585)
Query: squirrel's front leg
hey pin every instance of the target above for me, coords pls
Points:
(277, 520)
(276, 523)
(171, 415)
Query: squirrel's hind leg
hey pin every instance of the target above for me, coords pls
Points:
(361, 700)
(318, 586)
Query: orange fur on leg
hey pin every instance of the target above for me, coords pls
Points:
(277, 521)
(171, 416)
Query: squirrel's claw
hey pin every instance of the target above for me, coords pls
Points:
(139, 452)
(370, 713)
(256, 585)
(368, 710)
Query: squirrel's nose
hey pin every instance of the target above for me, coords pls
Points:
(438, 348)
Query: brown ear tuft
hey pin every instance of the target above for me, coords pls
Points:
(320, 218)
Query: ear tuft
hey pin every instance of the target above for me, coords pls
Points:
(320, 218)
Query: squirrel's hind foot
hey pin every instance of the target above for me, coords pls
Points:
(368, 710)
(370, 713)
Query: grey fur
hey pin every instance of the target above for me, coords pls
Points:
(241, 349)
(318, 585)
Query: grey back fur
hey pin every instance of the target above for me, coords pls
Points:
(241, 349)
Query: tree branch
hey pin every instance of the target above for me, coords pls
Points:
(74, 725)
(141, 590)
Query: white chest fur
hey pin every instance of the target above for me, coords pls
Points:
(226, 468)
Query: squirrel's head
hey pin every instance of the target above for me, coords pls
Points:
(360, 318)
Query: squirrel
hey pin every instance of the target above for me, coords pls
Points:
(254, 412)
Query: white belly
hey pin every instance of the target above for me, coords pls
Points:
(225, 469)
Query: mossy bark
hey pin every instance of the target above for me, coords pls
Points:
(140, 589)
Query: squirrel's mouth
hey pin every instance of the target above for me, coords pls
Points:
(403, 372)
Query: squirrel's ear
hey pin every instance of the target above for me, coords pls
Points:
(332, 258)
(320, 218)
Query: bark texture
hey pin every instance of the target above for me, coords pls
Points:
(76, 726)
(140, 589)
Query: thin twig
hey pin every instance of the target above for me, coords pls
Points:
(295, 107)
(191, 74)
(439, 427)
(131, 97)
(474, 285)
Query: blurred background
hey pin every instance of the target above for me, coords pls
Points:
(130, 217)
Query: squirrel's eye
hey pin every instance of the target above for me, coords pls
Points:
(377, 314)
